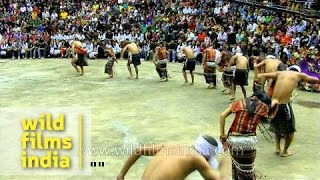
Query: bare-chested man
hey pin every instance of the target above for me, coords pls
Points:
(209, 64)
(228, 72)
(268, 65)
(283, 121)
(240, 75)
(134, 49)
(111, 59)
(161, 62)
(78, 56)
(189, 64)
(176, 162)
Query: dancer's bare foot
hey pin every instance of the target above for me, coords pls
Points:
(137, 77)
(286, 154)
(278, 151)
(191, 84)
(110, 77)
(185, 83)
(130, 77)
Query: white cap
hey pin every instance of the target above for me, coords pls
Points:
(294, 68)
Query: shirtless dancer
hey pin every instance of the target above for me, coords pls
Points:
(111, 59)
(283, 121)
(176, 162)
(241, 74)
(209, 64)
(228, 72)
(161, 62)
(189, 64)
(135, 57)
(268, 65)
(78, 56)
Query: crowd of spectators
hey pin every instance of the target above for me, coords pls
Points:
(43, 28)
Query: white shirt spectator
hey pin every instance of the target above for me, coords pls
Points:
(46, 14)
(89, 47)
(29, 8)
(116, 48)
(194, 11)
(120, 1)
(54, 15)
(222, 37)
(261, 19)
(265, 40)
(216, 10)
(187, 10)
(102, 36)
(300, 28)
(94, 19)
(190, 36)
(225, 9)
(23, 9)
(252, 27)
(295, 41)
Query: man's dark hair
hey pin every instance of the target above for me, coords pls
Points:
(210, 139)
(282, 67)
(251, 103)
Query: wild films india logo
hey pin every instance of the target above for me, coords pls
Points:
(45, 141)
(33, 139)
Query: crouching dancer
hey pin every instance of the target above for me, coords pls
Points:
(111, 59)
(78, 56)
(241, 137)
(209, 66)
(160, 61)
(177, 162)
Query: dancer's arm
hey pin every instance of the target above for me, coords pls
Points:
(262, 63)
(309, 79)
(223, 117)
(122, 51)
(141, 151)
(205, 169)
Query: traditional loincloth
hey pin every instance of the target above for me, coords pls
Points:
(210, 73)
(108, 67)
(135, 59)
(227, 77)
(243, 154)
(81, 60)
(241, 77)
(284, 120)
(189, 64)
(161, 68)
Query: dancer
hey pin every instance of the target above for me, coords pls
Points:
(189, 64)
(134, 49)
(78, 56)
(176, 162)
(228, 71)
(257, 70)
(240, 75)
(283, 119)
(111, 59)
(268, 65)
(161, 62)
(209, 66)
(241, 137)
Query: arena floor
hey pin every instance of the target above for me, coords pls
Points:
(149, 111)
